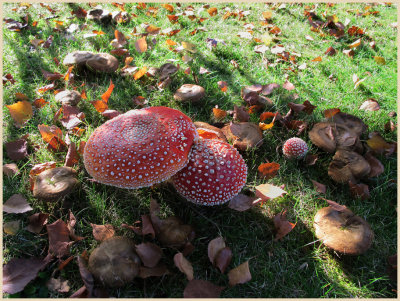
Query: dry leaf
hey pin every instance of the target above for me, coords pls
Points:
(268, 192)
(58, 285)
(240, 114)
(53, 136)
(380, 60)
(189, 47)
(282, 225)
(16, 204)
(355, 44)
(140, 73)
(223, 259)
(149, 253)
(141, 45)
(183, 265)
(102, 232)
(202, 289)
(37, 169)
(36, 222)
(11, 228)
(241, 202)
(10, 169)
(157, 271)
(370, 105)
(379, 146)
(330, 51)
(39, 103)
(99, 105)
(331, 112)
(359, 190)
(107, 94)
(214, 247)
(223, 86)
(59, 241)
(317, 59)
(268, 170)
(17, 150)
(212, 11)
(321, 188)
(219, 114)
(240, 274)
(21, 112)
(72, 156)
(288, 86)
(168, 7)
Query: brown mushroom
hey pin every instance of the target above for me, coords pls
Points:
(204, 125)
(55, 183)
(78, 58)
(172, 232)
(68, 97)
(244, 135)
(352, 122)
(115, 263)
(332, 136)
(343, 231)
(189, 93)
(348, 166)
(102, 62)
(100, 15)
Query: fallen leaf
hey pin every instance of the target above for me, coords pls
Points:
(149, 253)
(212, 11)
(390, 126)
(58, 285)
(370, 105)
(197, 288)
(360, 191)
(48, 42)
(240, 114)
(157, 271)
(380, 60)
(36, 42)
(379, 146)
(141, 45)
(223, 259)
(51, 76)
(102, 232)
(59, 242)
(268, 170)
(99, 105)
(268, 192)
(10, 169)
(317, 59)
(321, 188)
(39, 103)
(240, 274)
(120, 52)
(8, 78)
(168, 7)
(355, 44)
(21, 112)
(267, 115)
(36, 222)
(106, 95)
(53, 136)
(223, 86)
(241, 202)
(12, 227)
(331, 112)
(151, 29)
(140, 73)
(189, 47)
(46, 88)
(17, 150)
(16, 204)
(37, 169)
(18, 272)
(288, 86)
(219, 114)
(282, 225)
(269, 88)
(183, 265)
(214, 247)
(72, 156)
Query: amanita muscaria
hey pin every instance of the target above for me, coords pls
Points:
(216, 172)
(140, 148)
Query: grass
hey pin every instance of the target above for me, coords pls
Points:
(296, 267)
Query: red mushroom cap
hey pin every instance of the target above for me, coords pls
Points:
(216, 172)
(140, 148)
(295, 148)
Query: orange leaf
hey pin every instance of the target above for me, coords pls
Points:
(141, 45)
(317, 59)
(152, 29)
(207, 134)
(120, 51)
(72, 156)
(53, 136)
(68, 74)
(21, 96)
(77, 131)
(173, 32)
(168, 7)
(282, 226)
(331, 112)
(268, 170)
(219, 114)
(170, 42)
(212, 11)
(267, 115)
(140, 73)
(355, 44)
(40, 102)
(98, 32)
(107, 94)
(265, 126)
(173, 18)
(99, 105)
(120, 37)
(43, 89)
(21, 112)
(267, 15)
(223, 86)
(83, 94)
(128, 60)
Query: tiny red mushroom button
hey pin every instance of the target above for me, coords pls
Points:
(295, 148)
(216, 172)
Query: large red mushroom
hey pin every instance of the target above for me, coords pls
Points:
(140, 148)
(216, 172)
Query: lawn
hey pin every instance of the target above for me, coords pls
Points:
(240, 44)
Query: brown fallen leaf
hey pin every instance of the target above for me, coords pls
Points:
(18, 272)
(240, 114)
(16, 204)
(269, 88)
(355, 44)
(59, 241)
(10, 169)
(36, 222)
(268, 170)
(212, 11)
(268, 192)
(282, 225)
(330, 51)
(241, 202)
(184, 265)
(379, 146)
(58, 285)
(321, 188)
(12, 227)
(223, 86)
(17, 150)
(197, 288)
(331, 112)
(71, 227)
(377, 167)
(390, 126)
(39, 103)
(53, 136)
(288, 86)
(141, 45)
(370, 105)
(102, 232)
(240, 274)
(21, 112)
(214, 247)
(149, 253)
(360, 190)
(223, 259)
(219, 114)
(157, 271)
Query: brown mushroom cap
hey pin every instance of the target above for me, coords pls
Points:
(348, 166)
(54, 183)
(103, 62)
(189, 92)
(243, 134)
(140, 148)
(77, 58)
(173, 233)
(332, 136)
(114, 263)
(352, 122)
(68, 97)
(343, 231)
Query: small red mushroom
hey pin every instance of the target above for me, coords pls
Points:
(140, 148)
(216, 172)
(295, 148)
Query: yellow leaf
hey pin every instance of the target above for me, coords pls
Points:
(140, 73)
(11, 228)
(266, 38)
(380, 60)
(21, 112)
(189, 47)
(355, 44)
(168, 7)
(264, 126)
(212, 11)
(267, 15)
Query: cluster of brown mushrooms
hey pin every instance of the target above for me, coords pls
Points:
(337, 226)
